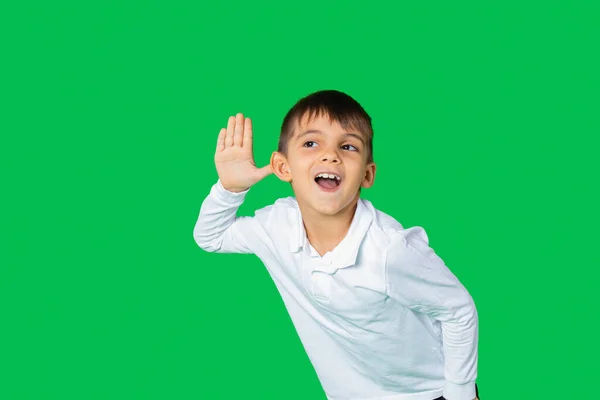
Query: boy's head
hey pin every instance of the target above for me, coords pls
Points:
(326, 132)
(338, 107)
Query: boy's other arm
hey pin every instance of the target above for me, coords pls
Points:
(217, 228)
(419, 279)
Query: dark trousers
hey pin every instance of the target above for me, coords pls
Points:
(476, 392)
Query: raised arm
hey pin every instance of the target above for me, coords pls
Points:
(217, 228)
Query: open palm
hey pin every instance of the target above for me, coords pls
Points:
(234, 158)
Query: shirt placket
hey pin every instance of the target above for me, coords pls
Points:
(318, 279)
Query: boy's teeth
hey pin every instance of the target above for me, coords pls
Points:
(329, 176)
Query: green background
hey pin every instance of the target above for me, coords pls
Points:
(486, 124)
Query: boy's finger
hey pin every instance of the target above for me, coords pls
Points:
(247, 139)
(221, 139)
(239, 129)
(229, 134)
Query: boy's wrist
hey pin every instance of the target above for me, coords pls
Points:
(229, 189)
(227, 196)
(235, 190)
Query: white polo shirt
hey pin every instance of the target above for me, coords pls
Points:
(381, 316)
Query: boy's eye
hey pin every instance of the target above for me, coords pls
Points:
(312, 143)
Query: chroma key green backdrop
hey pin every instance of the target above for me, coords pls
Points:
(486, 123)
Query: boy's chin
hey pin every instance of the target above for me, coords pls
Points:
(330, 207)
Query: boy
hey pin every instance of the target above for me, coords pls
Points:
(378, 312)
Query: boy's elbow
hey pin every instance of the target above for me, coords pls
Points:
(464, 311)
(205, 243)
(470, 316)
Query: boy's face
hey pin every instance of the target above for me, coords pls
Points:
(319, 146)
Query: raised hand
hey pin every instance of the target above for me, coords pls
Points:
(234, 159)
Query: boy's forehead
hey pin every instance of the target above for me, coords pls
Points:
(320, 122)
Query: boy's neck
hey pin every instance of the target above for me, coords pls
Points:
(325, 232)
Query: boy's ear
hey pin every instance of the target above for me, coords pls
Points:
(369, 177)
(280, 166)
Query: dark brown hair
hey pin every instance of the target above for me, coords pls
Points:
(338, 106)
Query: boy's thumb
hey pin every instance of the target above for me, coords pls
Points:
(265, 171)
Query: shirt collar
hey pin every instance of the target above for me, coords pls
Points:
(346, 252)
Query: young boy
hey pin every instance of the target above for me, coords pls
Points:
(378, 312)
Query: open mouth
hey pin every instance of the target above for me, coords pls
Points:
(328, 182)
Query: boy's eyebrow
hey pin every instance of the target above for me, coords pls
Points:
(354, 135)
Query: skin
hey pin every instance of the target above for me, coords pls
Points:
(327, 216)
(233, 156)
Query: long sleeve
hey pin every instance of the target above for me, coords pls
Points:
(217, 228)
(419, 279)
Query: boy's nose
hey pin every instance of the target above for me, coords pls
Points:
(330, 158)
(330, 155)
